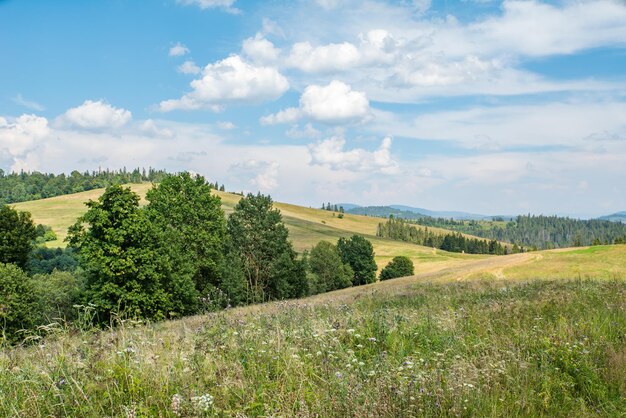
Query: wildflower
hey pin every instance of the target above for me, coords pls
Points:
(350, 330)
(371, 373)
(361, 364)
(176, 403)
(203, 403)
(338, 375)
(319, 353)
(372, 339)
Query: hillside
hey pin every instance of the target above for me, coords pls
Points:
(469, 340)
(615, 217)
(306, 227)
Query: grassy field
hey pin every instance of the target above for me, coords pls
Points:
(406, 347)
(531, 334)
(306, 227)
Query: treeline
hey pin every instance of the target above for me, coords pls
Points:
(176, 256)
(403, 230)
(539, 232)
(23, 186)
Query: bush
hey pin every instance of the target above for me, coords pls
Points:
(56, 295)
(18, 306)
(398, 267)
(330, 271)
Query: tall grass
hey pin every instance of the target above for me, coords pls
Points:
(544, 348)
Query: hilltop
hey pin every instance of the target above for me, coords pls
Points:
(306, 226)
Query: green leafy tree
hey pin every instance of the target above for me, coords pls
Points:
(17, 233)
(126, 268)
(192, 226)
(56, 295)
(399, 266)
(258, 237)
(358, 252)
(330, 271)
(18, 304)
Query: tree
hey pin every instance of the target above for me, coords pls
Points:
(358, 252)
(18, 305)
(192, 226)
(17, 233)
(330, 271)
(258, 237)
(126, 269)
(399, 266)
(56, 295)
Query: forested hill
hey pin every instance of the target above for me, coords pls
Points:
(542, 232)
(22, 187)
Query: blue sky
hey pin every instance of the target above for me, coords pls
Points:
(484, 106)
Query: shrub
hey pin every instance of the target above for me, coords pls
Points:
(400, 266)
(18, 306)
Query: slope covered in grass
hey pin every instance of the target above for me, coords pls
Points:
(486, 348)
(306, 226)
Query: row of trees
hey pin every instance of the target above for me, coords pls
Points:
(403, 230)
(538, 232)
(333, 208)
(176, 256)
(23, 186)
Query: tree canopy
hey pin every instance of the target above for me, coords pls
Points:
(358, 252)
(330, 271)
(399, 266)
(17, 232)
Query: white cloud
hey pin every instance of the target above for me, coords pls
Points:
(326, 58)
(188, 67)
(226, 5)
(30, 104)
(334, 104)
(328, 4)
(19, 138)
(230, 81)
(308, 131)
(150, 127)
(226, 125)
(259, 49)
(178, 50)
(96, 115)
(331, 153)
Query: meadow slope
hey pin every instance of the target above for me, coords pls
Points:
(306, 226)
(473, 340)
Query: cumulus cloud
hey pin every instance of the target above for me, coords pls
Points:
(326, 58)
(333, 104)
(188, 67)
(226, 125)
(20, 137)
(331, 153)
(259, 49)
(230, 81)
(96, 115)
(226, 5)
(178, 50)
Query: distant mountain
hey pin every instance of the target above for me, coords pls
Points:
(616, 217)
(408, 212)
(443, 214)
(348, 206)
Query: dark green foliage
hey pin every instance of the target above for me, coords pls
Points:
(258, 237)
(56, 295)
(44, 260)
(542, 232)
(17, 233)
(18, 305)
(126, 267)
(21, 187)
(191, 222)
(402, 230)
(359, 254)
(399, 266)
(330, 271)
(44, 234)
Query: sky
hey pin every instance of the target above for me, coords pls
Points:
(491, 107)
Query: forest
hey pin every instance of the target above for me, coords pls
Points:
(403, 230)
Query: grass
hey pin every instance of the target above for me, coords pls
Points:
(478, 348)
(306, 227)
